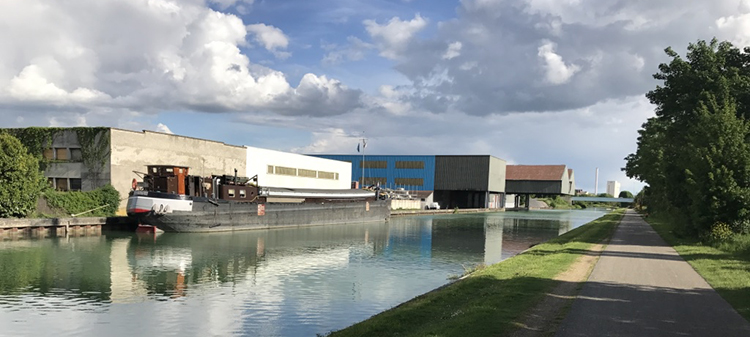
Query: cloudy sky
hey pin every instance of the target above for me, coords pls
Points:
(529, 81)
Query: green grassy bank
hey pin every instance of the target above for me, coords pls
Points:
(725, 266)
(487, 302)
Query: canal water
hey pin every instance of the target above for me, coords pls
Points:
(285, 282)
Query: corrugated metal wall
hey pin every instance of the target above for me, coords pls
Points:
(462, 173)
(533, 187)
(384, 168)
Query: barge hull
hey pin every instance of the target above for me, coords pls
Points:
(231, 216)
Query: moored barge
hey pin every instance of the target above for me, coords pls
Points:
(174, 201)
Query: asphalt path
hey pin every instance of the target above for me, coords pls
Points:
(641, 287)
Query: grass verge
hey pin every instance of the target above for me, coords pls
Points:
(727, 270)
(489, 301)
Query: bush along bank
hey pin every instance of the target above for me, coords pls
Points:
(721, 257)
(490, 300)
(102, 202)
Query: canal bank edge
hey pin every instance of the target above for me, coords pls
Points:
(28, 226)
(499, 299)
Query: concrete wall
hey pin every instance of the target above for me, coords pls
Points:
(406, 204)
(497, 175)
(133, 151)
(91, 177)
(258, 161)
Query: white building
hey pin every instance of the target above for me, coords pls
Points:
(284, 169)
(613, 188)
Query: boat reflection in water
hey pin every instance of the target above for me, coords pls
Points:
(284, 282)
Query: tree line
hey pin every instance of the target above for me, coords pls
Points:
(694, 155)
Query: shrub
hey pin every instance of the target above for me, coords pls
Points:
(21, 181)
(78, 202)
(720, 232)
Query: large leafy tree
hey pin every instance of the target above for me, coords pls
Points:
(21, 181)
(693, 154)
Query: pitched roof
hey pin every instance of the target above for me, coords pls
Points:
(535, 172)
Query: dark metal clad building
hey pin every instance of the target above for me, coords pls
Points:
(457, 181)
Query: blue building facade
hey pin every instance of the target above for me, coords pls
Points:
(416, 173)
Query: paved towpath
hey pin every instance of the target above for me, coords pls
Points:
(641, 287)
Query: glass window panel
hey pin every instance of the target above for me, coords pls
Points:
(61, 154)
(61, 184)
(75, 184)
(76, 155)
(48, 154)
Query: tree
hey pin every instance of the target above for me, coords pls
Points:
(625, 194)
(21, 181)
(694, 154)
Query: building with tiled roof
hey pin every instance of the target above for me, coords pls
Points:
(539, 180)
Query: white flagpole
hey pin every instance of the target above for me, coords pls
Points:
(363, 159)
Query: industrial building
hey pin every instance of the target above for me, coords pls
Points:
(456, 181)
(83, 159)
(291, 170)
(613, 188)
(539, 180)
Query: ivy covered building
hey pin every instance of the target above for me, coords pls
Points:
(86, 158)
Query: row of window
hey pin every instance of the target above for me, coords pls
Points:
(382, 164)
(65, 184)
(63, 154)
(291, 171)
(398, 181)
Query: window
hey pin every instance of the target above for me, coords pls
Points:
(75, 155)
(374, 181)
(75, 184)
(377, 164)
(51, 182)
(169, 170)
(307, 173)
(242, 193)
(326, 175)
(336, 176)
(410, 165)
(61, 184)
(230, 192)
(287, 171)
(48, 154)
(61, 154)
(409, 181)
(270, 169)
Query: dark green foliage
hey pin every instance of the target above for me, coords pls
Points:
(21, 181)
(625, 194)
(79, 202)
(694, 154)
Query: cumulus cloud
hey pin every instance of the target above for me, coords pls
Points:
(271, 38)
(587, 51)
(163, 128)
(557, 72)
(147, 56)
(393, 37)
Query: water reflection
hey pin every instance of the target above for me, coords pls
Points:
(285, 282)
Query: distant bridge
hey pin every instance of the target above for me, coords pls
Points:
(601, 199)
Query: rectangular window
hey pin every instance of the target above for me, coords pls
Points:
(307, 173)
(287, 171)
(75, 184)
(326, 175)
(374, 164)
(61, 153)
(61, 184)
(48, 154)
(75, 155)
(242, 193)
(270, 169)
(374, 181)
(410, 164)
(409, 181)
(336, 177)
(230, 192)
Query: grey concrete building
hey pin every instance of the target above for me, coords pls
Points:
(470, 181)
(113, 156)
